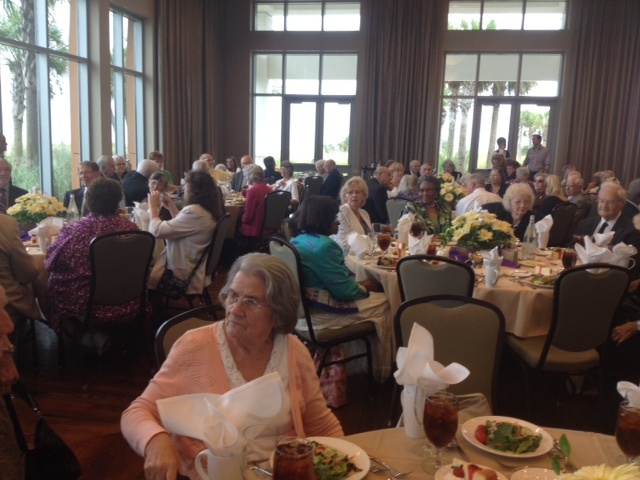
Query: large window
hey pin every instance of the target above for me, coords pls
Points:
(43, 80)
(507, 14)
(126, 86)
(490, 95)
(303, 106)
(306, 16)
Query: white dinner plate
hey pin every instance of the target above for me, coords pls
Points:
(384, 267)
(442, 473)
(519, 274)
(469, 432)
(358, 456)
(534, 473)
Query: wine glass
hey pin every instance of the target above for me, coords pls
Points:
(440, 425)
(384, 240)
(628, 430)
(372, 238)
(424, 448)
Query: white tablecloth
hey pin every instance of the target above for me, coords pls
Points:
(394, 447)
(527, 311)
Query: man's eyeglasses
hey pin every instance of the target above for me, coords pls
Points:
(248, 303)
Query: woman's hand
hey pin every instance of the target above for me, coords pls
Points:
(167, 201)
(371, 285)
(624, 332)
(161, 460)
(154, 204)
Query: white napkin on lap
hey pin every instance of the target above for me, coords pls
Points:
(359, 244)
(592, 253)
(219, 420)
(603, 239)
(419, 246)
(416, 367)
(404, 225)
(631, 392)
(543, 227)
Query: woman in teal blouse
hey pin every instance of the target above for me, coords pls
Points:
(337, 299)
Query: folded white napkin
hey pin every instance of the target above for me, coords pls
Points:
(622, 253)
(404, 225)
(492, 254)
(419, 246)
(592, 253)
(416, 367)
(631, 392)
(603, 239)
(543, 227)
(393, 193)
(219, 420)
(141, 215)
(45, 230)
(359, 244)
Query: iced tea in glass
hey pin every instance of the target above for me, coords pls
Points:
(628, 430)
(293, 459)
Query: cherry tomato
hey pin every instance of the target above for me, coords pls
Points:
(481, 434)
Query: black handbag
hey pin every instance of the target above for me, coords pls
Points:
(173, 288)
(50, 457)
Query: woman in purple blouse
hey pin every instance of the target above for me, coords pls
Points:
(68, 261)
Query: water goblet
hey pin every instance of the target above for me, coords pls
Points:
(440, 425)
(260, 442)
(628, 431)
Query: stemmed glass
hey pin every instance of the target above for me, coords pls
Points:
(260, 442)
(628, 431)
(373, 240)
(423, 448)
(440, 425)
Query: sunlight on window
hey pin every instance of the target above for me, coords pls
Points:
(507, 15)
(283, 15)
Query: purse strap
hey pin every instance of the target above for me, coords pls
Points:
(19, 390)
(195, 269)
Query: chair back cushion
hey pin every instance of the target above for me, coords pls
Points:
(585, 299)
(312, 185)
(419, 276)
(465, 330)
(275, 209)
(120, 266)
(564, 222)
(287, 253)
(394, 211)
(217, 241)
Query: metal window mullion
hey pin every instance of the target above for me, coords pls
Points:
(139, 117)
(119, 110)
(45, 120)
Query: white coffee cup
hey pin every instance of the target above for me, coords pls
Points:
(228, 468)
(491, 271)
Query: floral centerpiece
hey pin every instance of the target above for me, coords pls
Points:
(32, 208)
(450, 191)
(629, 471)
(479, 231)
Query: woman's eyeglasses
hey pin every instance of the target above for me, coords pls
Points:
(248, 303)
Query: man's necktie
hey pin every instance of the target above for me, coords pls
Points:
(603, 227)
(3, 200)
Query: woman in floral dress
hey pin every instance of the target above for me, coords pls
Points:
(434, 214)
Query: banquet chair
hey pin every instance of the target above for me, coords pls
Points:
(422, 275)
(584, 302)
(564, 223)
(312, 186)
(465, 330)
(394, 211)
(275, 210)
(213, 259)
(175, 327)
(326, 338)
(116, 283)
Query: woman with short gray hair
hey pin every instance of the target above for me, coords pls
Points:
(261, 302)
(517, 202)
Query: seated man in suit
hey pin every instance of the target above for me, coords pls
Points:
(88, 172)
(611, 200)
(376, 204)
(136, 184)
(8, 191)
(573, 189)
(332, 184)
(239, 179)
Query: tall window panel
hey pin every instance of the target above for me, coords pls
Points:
(303, 106)
(43, 82)
(126, 86)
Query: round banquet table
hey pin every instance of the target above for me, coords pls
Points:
(394, 447)
(527, 310)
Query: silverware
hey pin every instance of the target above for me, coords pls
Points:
(394, 472)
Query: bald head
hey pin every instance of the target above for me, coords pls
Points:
(329, 166)
(246, 160)
(383, 175)
(147, 167)
(209, 159)
(107, 165)
(200, 166)
(414, 167)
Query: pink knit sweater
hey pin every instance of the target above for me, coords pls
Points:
(194, 365)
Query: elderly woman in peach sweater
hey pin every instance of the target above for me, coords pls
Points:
(261, 300)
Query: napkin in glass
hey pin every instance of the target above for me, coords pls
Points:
(419, 246)
(543, 227)
(45, 230)
(631, 392)
(359, 244)
(404, 225)
(592, 253)
(622, 254)
(141, 214)
(416, 368)
(603, 239)
(219, 420)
